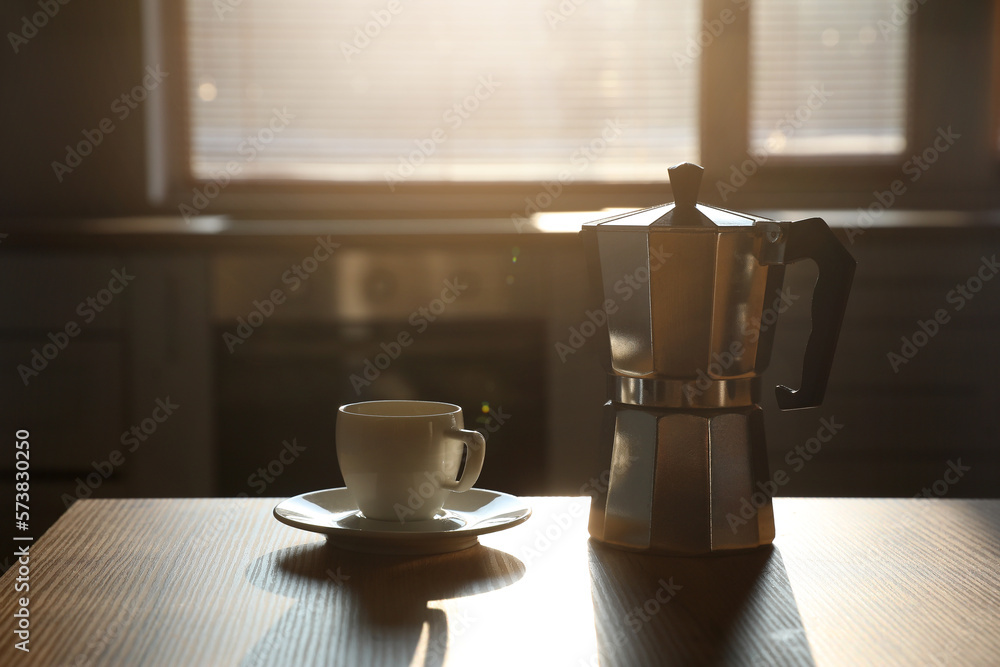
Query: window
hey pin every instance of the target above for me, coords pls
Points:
(828, 77)
(388, 90)
(328, 108)
(441, 90)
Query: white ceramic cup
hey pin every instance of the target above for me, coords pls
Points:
(401, 459)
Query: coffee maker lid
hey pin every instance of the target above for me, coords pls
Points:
(684, 212)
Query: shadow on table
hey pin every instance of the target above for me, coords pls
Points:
(355, 609)
(720, 610)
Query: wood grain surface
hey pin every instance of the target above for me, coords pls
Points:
(220, 582)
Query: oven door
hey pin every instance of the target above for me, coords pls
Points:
(353, 336)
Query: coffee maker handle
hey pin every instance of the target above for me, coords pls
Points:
(812, 239)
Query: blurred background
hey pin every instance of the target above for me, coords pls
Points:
(221, 219)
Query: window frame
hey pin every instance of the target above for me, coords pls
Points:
(951, 57)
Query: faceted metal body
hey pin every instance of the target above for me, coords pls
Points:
(684, 482)
(694, 305)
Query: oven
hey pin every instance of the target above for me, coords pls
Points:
(302, 329)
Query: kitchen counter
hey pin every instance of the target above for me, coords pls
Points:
(167, 232)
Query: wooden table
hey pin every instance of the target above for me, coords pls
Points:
(220, 582)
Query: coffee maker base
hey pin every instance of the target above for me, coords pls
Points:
(684, 482)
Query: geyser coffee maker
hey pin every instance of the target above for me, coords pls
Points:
(686, 287)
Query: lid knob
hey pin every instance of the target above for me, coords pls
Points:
(685, 181)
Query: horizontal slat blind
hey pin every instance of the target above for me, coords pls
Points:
(442, 89)
(829, 76)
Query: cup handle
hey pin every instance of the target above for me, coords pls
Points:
(475, 446)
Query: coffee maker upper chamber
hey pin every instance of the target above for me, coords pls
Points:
(685, 355)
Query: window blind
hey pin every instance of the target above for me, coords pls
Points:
(442, 90)
(829, 76)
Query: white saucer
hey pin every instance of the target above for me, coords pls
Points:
(463, 518)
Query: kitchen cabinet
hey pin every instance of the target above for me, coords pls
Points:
(90, 343)
(157, 343)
